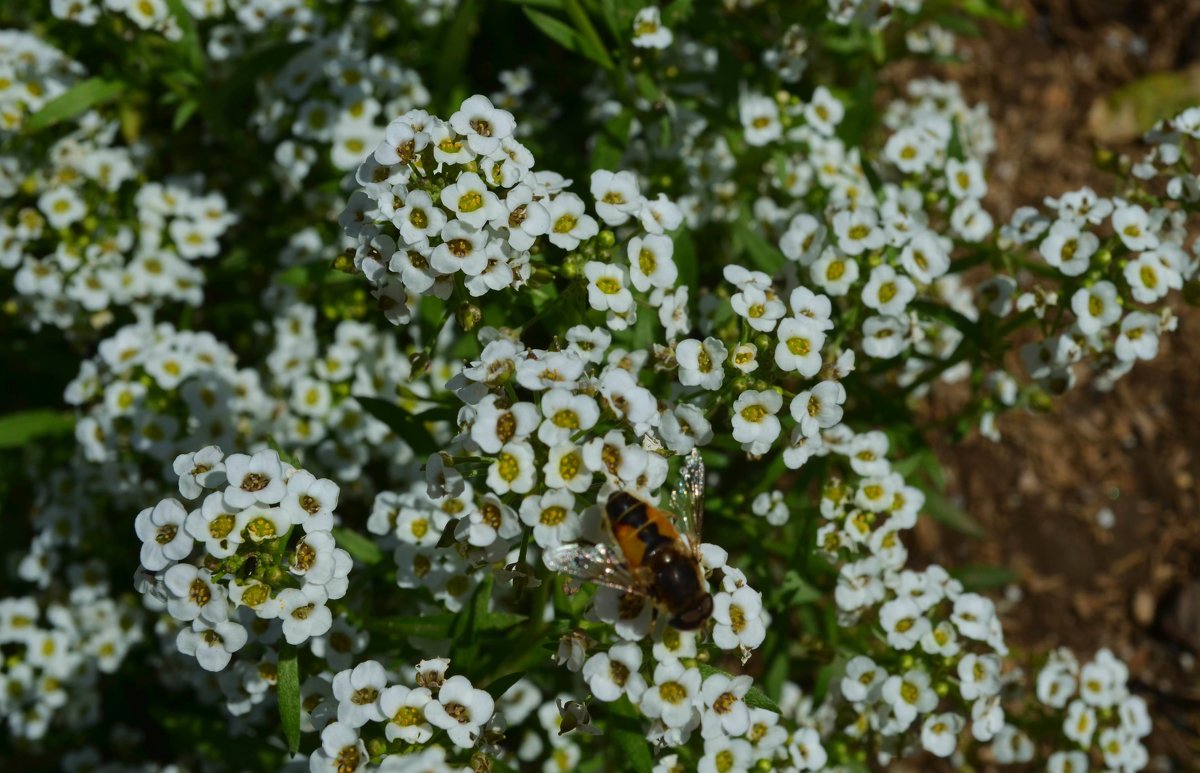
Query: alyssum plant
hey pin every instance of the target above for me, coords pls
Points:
(574, 425)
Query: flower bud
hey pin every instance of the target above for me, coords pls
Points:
(468, 316)
(573, 266)
(762, 341)
(607, 238)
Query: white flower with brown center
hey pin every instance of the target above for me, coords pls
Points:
(460, 710)
(358, 692)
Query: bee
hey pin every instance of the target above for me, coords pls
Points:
(656, 552)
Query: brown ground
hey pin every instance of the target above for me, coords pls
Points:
(1135, 587)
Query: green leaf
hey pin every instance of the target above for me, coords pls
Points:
(627, 732)
(74, 101)
(359, 547)
(685, 260)
(552, 4)
(795, 590)
(18, 429)
(611, 141)
(946, 512)
(288, 689)
(755, 698)
(977, 577)
(425, 627)
(590, 43)
(554, 29)
(501, 685)
(762, 254)
(499, 621)
(190, 40)
(408, 427)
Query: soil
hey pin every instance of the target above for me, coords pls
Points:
(1045, 492)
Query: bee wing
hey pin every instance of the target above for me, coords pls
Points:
(601, 564)
(687, 500)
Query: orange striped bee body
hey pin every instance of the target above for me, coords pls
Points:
(654, 553)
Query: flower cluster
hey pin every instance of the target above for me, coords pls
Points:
(360, 702)
(84, 238)
(324, 104)
(442, 199)
(34, 73)
(56, 651)
(257, 546)
(1100, 716)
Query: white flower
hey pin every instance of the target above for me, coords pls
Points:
(824, 111)
(979, 676)
(497, 423)
(62, 206)
(965, 179)
(1067, 762)
(799, 347)
(164, 538)
(607, 288)
(565, 468)
(614, 673)
(193, 594)
(672, 696)
(701, 364)
(903, 623)
(514, 470)
(908, 696)
(616, 194)
(1056, 684)
(469, 198)
(858, 231)
(1138, 338)
(884, 337)
(819, 408)
(887, 292)
(723, 706)
(524, 218)
(811, 306)
(215, 526)
(760, 119)
(483, 125)
(738, 619)
(651, 263)
(833, 272)
(463, 248)
(755, 424)
(973, 615)
(198, 471)
(1080, 723)
(760, 308)
(1069, 249)
(461, 710)
(303, 613)
(569, 225)
(254, 479)
(684, 427)
(939, 733)
(404, 710)
(260, 524)
(1096, 307)
(341, 751)
(926, 256)
(1132, 224)
(862, 679)
(648, 31)
(357, 691)
(314, 558)
(552, 516)
(1148, 278)
(212, 644)
(310, 501)
(806, 750)
(419, 219)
